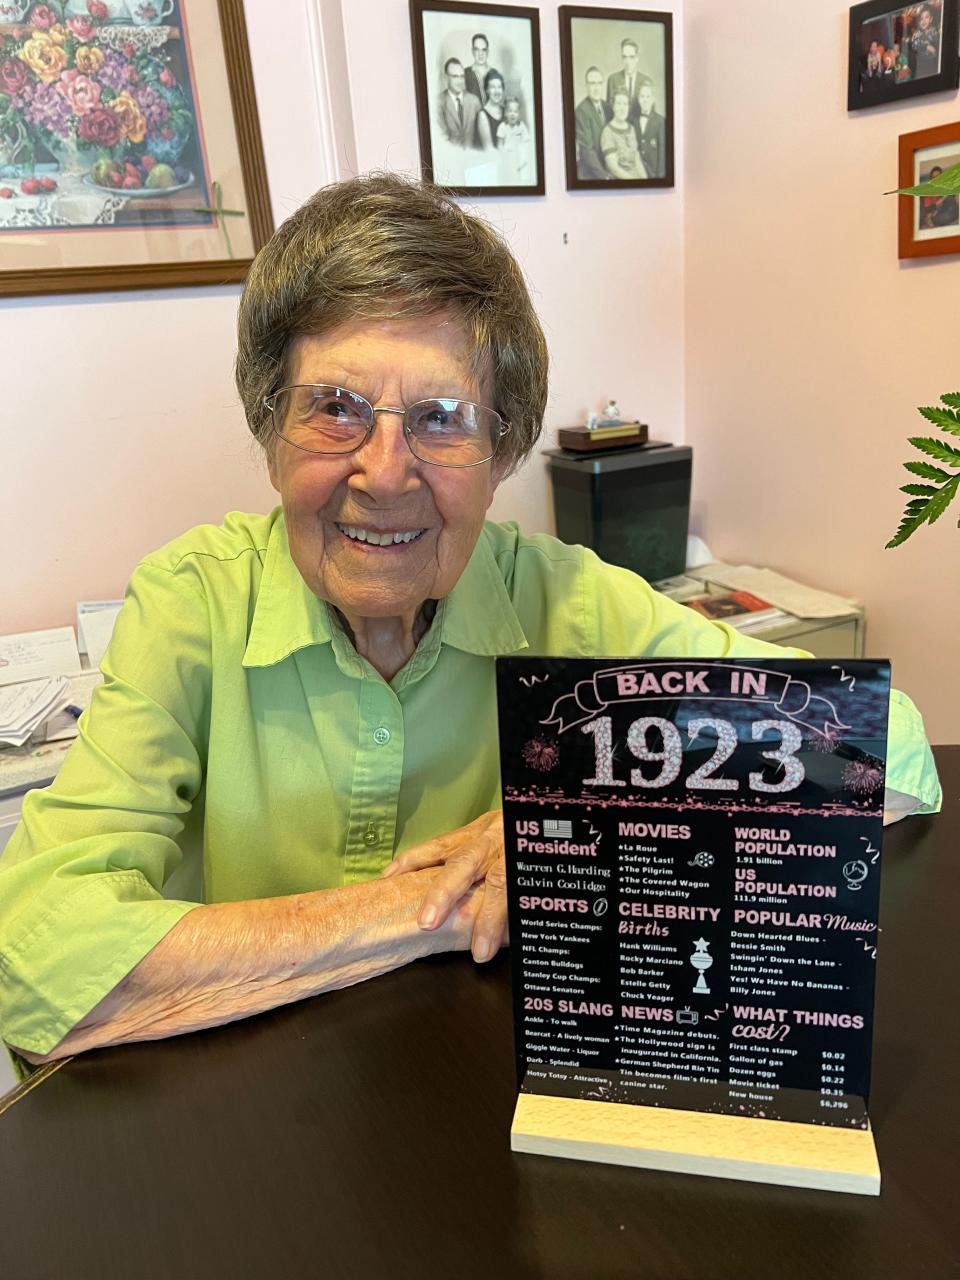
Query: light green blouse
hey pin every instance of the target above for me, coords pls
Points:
(240, 748)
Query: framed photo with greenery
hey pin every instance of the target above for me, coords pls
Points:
(479, 112)
(130, 149)
(616, 67)
(929, 218)
(898, 51)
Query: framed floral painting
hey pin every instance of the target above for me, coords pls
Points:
(130, 151)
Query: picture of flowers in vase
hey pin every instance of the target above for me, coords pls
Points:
(98, 122)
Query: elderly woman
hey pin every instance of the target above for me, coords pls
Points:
(288, 781)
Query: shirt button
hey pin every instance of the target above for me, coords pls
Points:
(381, 736)
(371, 836)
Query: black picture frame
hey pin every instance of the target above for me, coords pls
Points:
(881, 28)
(488, 160)
(584, 30)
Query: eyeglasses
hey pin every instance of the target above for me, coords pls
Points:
(446, 433)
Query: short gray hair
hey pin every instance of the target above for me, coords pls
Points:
(382, 246)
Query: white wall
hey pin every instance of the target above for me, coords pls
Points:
(808, 345)
(610, 295)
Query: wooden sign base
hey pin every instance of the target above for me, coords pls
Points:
(776, 1151)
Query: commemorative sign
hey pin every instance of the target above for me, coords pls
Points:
(693, 854)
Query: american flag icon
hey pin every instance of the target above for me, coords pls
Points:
(554, 827)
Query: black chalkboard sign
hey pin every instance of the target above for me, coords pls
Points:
(693, 854)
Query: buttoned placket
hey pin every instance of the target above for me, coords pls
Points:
(377, 773)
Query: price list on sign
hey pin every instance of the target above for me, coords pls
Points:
(693, 856)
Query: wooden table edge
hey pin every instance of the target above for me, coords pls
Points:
(23, 1088)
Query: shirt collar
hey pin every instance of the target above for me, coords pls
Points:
(287, 615)
(477, 616)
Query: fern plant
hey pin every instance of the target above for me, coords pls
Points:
(928, 501)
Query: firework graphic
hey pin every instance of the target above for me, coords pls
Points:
(541, 754)
(861, 778)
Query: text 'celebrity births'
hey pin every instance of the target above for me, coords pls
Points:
(693, 880)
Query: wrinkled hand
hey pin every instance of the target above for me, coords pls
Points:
(472, 859)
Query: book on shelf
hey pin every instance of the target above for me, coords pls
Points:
(740, 609)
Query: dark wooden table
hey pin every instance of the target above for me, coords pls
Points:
(365, 1134)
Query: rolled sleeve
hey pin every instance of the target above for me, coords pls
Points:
(82, 880)
(627, 616)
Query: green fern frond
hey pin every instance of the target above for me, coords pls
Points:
(927, 471)
(908, 525)
(942, 452)
(938, 505)
(945, 419)
(920, 490)
(928, 502)
(945, 184)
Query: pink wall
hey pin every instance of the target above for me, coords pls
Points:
(808, 345)
(610, 297)
(120, 423)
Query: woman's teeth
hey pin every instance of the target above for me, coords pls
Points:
(379, 539)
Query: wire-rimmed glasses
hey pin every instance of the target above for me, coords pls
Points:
(444, 431)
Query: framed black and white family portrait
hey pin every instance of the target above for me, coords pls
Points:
(616, 66)
(900, 51)
(479, 111)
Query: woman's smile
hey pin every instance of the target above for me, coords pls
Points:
(368, 539)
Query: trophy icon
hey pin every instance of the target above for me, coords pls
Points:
(701, 961)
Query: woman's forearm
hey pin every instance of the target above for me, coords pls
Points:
(226, 961)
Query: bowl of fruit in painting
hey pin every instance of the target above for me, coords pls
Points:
(147, 176)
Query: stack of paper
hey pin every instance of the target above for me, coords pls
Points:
(740, 609)
(63, 724)
(792, 597)
(680, 588)
(24, 707)
(30, 655)
(95, 619)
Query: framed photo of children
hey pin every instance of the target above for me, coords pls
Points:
(900, 51)
(479, 112)
(616, 67)
(130, 151)
(929, 221)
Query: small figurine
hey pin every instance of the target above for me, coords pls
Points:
(612, 412)
(592, 421)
